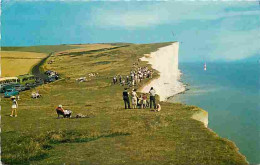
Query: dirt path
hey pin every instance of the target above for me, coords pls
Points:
(37, 70)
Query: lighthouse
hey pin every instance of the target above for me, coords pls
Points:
(205, 66)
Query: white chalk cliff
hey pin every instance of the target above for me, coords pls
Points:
(165, 60)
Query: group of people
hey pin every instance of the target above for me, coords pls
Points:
(136, 76)
(142, 101)
(35, 95)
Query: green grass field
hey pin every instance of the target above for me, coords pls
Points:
(110, 134)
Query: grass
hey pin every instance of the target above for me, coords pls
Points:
(89, 47)
(16, 63)
(40, 49)
(110, 134)
(58, 48)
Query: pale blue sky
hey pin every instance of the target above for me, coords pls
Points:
(221, 30)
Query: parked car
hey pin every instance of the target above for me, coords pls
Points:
(26, 79)
(11, 92)
(19, 87)
(48, 72)
(29, 86)
(5, 87)
(49, 79)
(39, 82)
(56, 76)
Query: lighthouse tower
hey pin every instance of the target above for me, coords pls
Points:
(205, 66)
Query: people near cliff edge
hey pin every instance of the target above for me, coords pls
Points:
(114, 79)
(137, 75)
(139, 101)
(126, 99)
(144, 102)
(14, 106)
(134, 98)
(120, 79)
(152, 98)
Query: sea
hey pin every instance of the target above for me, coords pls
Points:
(230, 92)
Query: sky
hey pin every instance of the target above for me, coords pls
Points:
(206, 30)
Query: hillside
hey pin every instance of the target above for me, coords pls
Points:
(110, 134)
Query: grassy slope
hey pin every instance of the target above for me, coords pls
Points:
(111, 135)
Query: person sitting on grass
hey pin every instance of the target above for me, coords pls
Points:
(61, 111)
(14, 106)
(36, 95)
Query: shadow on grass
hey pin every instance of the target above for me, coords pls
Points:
(92, 51)
(25, 149)
(75, 117)
(87, 139)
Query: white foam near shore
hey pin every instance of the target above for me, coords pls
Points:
(165, 60)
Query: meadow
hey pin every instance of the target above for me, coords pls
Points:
(110, 134)
(17, 63)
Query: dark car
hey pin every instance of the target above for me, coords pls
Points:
(56, 76)
(48, 72)
(29, 86)
(49, 79)
(39, 81)
(19, 87)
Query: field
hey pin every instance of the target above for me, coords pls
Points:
(110, 134)
(16, 63)
(88, 47)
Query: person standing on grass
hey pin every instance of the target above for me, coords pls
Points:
(152, 98)
(126, 99)
(144, 98)
(134, 99)
(114, 80)
(14, 106)
(120, 79)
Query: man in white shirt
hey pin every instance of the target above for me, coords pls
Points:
(152, 98)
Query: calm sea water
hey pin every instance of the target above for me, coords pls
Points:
(230, 92)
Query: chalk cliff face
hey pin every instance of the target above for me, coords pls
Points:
(202, 116)
(165, 60)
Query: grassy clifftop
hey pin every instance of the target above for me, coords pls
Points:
(110, 134)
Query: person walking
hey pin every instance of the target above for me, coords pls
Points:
(14, 106)
(152, 98)
(126, 99)
(134, 99)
